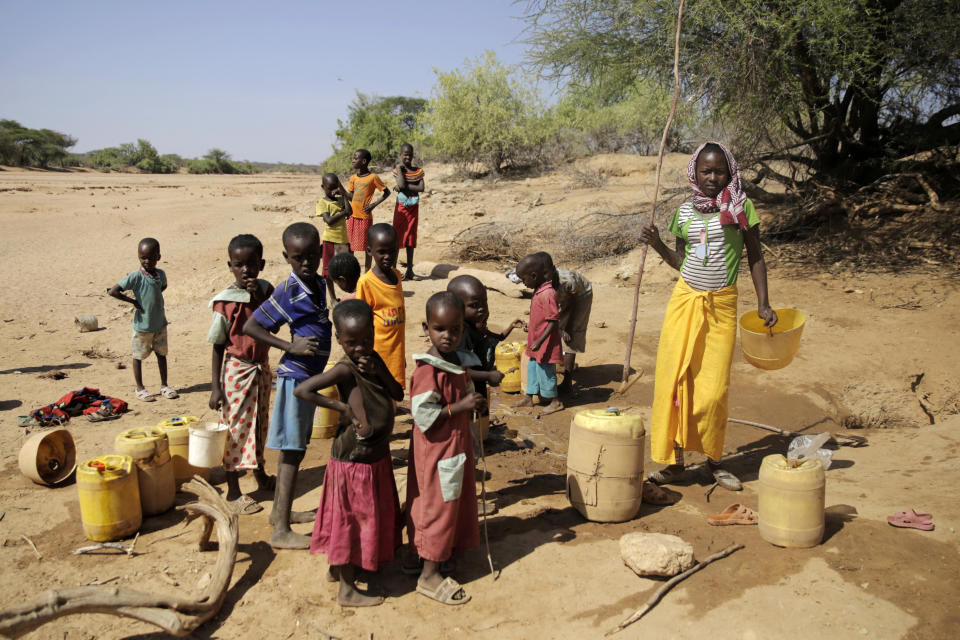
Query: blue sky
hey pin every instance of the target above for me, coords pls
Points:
(263, 81)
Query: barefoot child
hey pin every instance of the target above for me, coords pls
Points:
(344, 272)
(360, 193)
(298, 301)
(441, 494)
(334, 211)
(406, 213)
(240, 384)
(358, 522)
(575, 299)
(149, 322)
(543, 338)
(382, 290)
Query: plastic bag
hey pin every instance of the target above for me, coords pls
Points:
(803, 448)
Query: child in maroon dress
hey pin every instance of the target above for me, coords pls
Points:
(441, 494)
(358, 521)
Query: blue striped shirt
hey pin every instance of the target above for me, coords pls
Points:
(292, 304)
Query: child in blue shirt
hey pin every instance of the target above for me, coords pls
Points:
(299, 302)
(150, 321)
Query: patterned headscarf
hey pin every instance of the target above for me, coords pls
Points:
(729, 202)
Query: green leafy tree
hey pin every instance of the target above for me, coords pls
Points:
(630, 122)
(377, 124)
(483, 113)
(21, 146)
(847, 82)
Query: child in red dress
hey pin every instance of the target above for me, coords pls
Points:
(441, 495)
(358, 521)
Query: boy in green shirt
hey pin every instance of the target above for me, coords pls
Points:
(150, 321)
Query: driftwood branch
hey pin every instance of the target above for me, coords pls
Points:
(178, 615)
(653, 208)
(669, 584)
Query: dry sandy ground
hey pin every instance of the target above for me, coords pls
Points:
(882, 348)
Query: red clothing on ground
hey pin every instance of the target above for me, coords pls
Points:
(358, 521)
(436, 528)
(543, 309)
(405, 218)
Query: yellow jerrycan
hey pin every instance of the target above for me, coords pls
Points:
(178, 439)
(507, 360)
(150, 450)
(791, 502)
(605, 464)
(109, 497)
(325, 420)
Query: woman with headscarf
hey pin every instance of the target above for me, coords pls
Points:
(700, 328)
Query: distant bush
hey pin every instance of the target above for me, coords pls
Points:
(218, 161)
(379, 125)
(23, 147)
(484, 113)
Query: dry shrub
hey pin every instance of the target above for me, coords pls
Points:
(273, 208)
(596, 236)
(586, 177)
(97, 353)
(490, 242)
(590, 237)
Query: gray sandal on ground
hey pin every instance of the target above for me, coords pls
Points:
(725, 479)
(668, 475)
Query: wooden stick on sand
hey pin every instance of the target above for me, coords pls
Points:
(653, 210)
(669, 584)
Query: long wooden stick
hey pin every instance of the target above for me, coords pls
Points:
(669, 584)
(656, 193)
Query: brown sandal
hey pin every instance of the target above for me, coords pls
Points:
(734, 514)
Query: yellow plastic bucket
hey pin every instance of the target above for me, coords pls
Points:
(771, 349)
(605, 465)
(150, 449)
(792, 502)
(507, 360)
(109, 497)
(48, 457)
(325, 420)
(178, 437)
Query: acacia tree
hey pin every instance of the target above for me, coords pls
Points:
(850, 82)
(377, 124)
(483, 113)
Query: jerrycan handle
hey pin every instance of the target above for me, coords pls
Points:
(613, 411)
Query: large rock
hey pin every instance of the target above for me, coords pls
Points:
(655, 554)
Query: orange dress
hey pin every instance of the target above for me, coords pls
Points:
(389, 320)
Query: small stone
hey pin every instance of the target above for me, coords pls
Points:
(655, 554)
(864, 631)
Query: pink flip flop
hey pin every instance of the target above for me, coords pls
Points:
(911, 520)
(925, 517)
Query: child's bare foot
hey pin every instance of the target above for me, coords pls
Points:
(297, 517)
(289, 540)
(350, 596)
(526, 401)
(409, 275)
(332, 575)
(553, 407)
(264, 482)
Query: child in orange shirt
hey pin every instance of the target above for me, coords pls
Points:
(360, 193)
(380, 288)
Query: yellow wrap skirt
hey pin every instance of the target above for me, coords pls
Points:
(693, 372)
